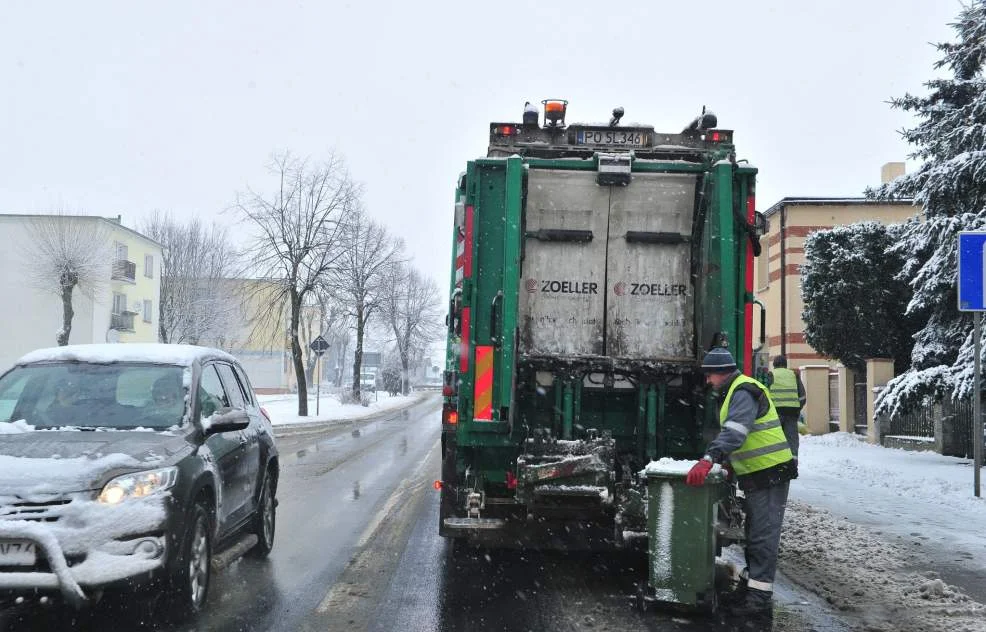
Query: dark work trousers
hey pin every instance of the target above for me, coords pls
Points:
(789, 422)
(764, 516)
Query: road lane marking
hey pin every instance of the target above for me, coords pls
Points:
(404, 486)
(407, 487)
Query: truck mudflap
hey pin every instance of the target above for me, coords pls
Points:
(557, 469)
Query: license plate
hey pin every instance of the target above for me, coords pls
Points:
(17, 553)
(623, 138)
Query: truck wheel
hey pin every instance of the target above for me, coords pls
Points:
(265, 520)
(190, 581)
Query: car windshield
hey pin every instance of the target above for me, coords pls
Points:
(117, 396)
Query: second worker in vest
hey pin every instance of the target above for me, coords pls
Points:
(752, 441)
(788, 393)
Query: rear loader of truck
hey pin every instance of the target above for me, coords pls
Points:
(593, 266)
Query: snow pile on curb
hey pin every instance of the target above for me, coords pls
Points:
(283, 409)
(869, 579)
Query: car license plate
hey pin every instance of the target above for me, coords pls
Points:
(17, 553)
(619, 137)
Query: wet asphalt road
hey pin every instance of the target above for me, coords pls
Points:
(357, 549)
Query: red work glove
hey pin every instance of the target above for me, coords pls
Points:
(696, 475)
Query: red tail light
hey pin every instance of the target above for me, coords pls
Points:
(511, 480)
(719, 136)
(437, 485)
(450, 416)
(448, 391)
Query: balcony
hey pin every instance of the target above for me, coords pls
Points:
(122, 322)
(124, 270)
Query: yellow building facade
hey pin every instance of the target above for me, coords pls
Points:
(135, 285)
(777, 278)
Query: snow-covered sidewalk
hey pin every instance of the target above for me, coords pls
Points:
(283, 409)
(894, 540)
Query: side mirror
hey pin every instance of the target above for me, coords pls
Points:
(454, 318)
(226, 420)
(760, 224)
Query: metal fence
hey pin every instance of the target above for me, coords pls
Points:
(859, 408)
(957, 427)
(919, 422)
(834, 397)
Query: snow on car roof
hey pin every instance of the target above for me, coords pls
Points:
(154, 353)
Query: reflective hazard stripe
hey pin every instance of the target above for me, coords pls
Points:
(764, 586)
(738, 427)
(460, 249)
(483, 402)
(767, 449)
(766, 425)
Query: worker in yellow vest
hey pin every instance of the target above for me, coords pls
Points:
(752, 441)
(788, 393)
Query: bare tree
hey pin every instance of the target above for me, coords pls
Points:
(410, 306)
(68, 253)
(368, 252)
(298, 238)
(194, 308)
(321, 317)
(341, 339)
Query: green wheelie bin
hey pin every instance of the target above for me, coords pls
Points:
(681, 529)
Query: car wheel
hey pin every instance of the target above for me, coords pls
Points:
(266, 520)
(190, 582)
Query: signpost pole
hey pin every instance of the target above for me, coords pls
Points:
(320, 345)
(971, 285)
(977, 420)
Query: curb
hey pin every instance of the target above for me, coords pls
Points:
(315, 427)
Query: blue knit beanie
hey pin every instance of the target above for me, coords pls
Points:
(719, 360)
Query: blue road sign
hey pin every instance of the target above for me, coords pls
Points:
(972, 276)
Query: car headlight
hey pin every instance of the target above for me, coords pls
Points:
(138, 485)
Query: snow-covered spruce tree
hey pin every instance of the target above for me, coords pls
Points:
(950, 186)
(854, 302)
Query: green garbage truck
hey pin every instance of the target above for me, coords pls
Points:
(593, 265)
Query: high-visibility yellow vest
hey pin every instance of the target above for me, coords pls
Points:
(765, 445)
(784, 389)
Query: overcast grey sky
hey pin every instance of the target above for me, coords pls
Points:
(126, 107)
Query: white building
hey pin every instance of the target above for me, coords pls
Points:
(124, 306)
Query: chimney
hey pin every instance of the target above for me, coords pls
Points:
(890, 171)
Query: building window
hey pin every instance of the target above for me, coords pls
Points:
(119, 303)
(147, 311)
(149, 266)
(120, 318)
(123, 268)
